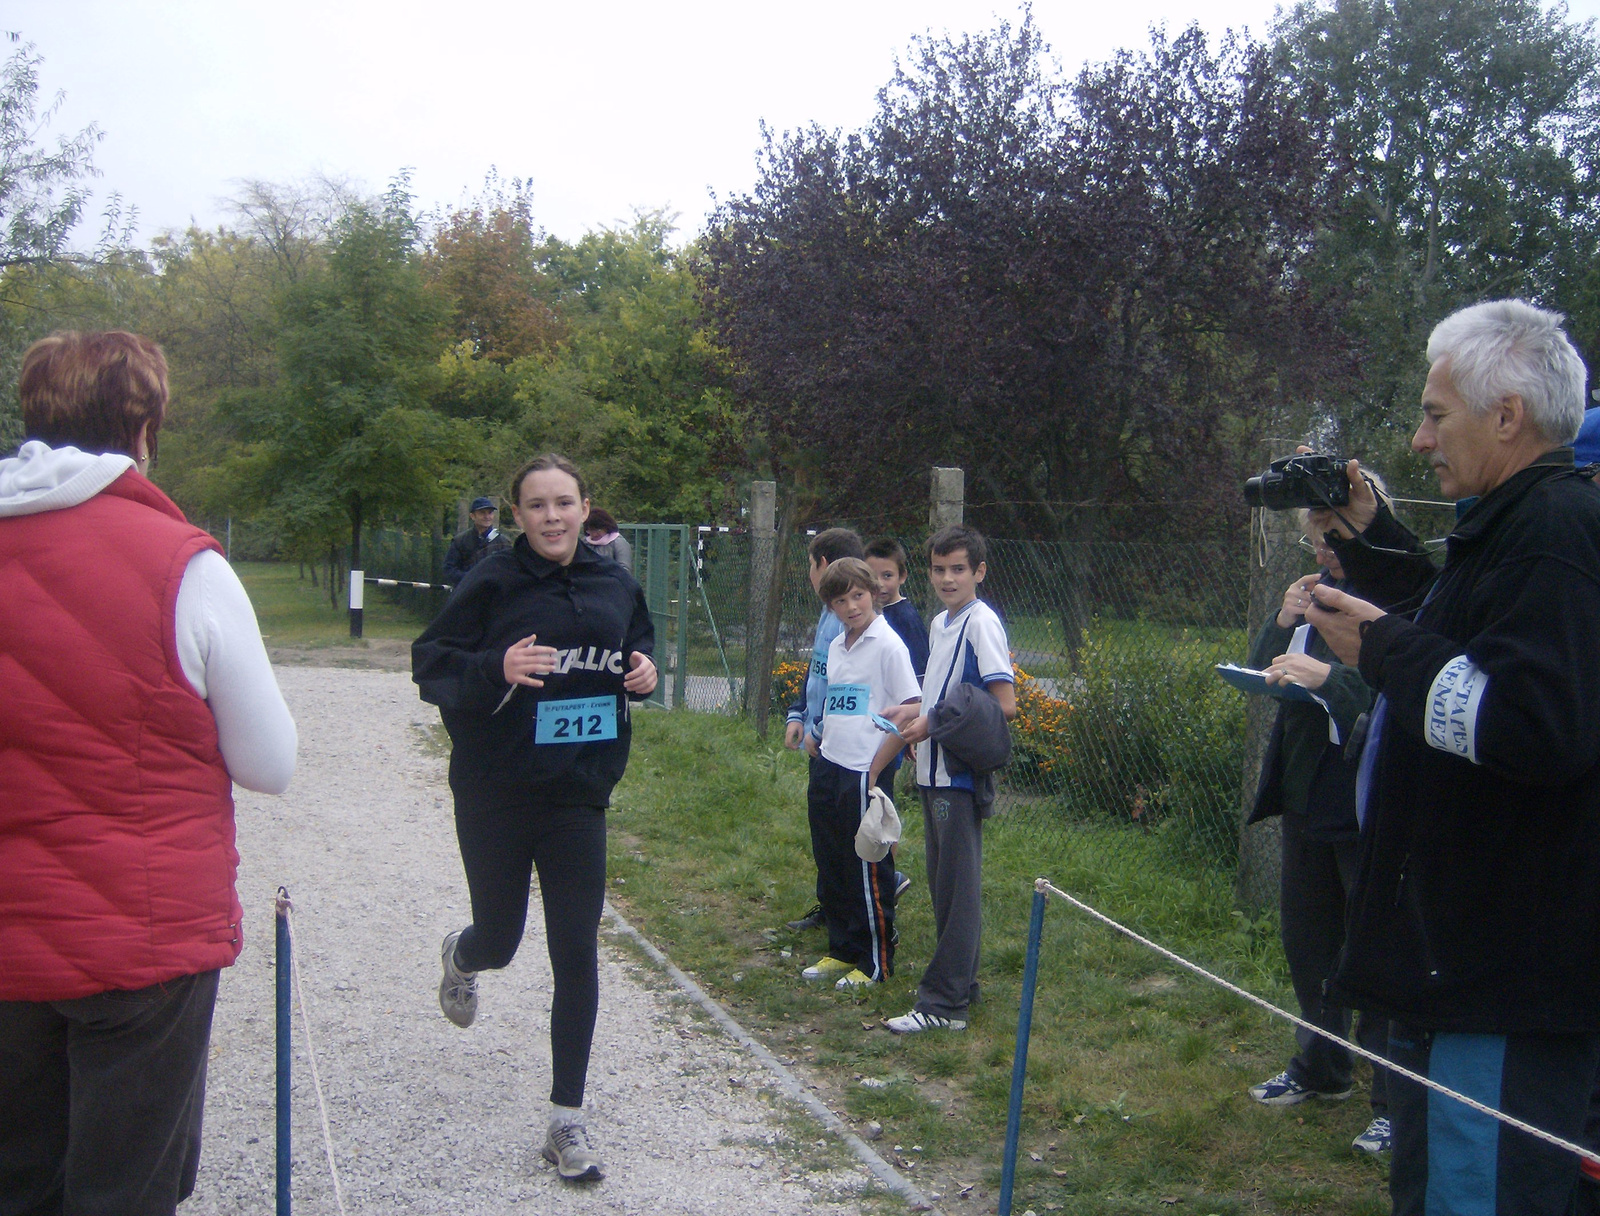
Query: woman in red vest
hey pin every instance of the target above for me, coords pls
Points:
(134, 690)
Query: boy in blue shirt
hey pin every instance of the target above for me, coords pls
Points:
(887, 557)
(967, 645)
(804, 721)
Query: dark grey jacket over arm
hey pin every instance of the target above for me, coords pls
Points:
(971, 728)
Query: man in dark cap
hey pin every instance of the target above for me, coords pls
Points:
(477, 542)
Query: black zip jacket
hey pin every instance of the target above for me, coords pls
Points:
(467, 550)
(1304, 773)
(1476, 907)
(593, 612)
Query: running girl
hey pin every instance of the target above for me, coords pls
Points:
(532, 664)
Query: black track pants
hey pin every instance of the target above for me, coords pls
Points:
(1316, 880)
(1449, 1158)
(857, 897)
(503, 840)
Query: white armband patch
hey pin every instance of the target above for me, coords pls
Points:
(1453, 704)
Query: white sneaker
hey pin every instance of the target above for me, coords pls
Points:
(568, 1149)
(458, 990)
(916, 1021)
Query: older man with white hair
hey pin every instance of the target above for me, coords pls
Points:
(1474, 922)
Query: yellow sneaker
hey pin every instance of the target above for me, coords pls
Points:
(854, 979)
(825, 968)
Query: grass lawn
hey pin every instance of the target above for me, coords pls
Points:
(294, 613)
(1137, 1073)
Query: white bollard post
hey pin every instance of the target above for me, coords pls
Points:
(358, 584)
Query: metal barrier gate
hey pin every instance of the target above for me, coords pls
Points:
(661, 557)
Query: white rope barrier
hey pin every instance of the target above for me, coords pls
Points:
(311, 1056)
(1046, 886)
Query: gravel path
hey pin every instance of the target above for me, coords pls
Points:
(425, 1117)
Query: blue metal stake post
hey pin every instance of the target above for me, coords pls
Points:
(1019, 1061)
(282, 965)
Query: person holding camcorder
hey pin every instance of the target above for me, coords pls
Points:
(1307, 778)
(1474, 922)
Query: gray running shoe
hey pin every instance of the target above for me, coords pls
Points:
(811, 920)
(568, 1149)
(458, 990)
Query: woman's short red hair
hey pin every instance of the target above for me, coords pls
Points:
(93, 390)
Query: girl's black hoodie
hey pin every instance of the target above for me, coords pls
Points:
(594, 614)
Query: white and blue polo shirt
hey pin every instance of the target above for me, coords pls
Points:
(971, 648)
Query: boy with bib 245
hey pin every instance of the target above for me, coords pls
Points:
(869, 671)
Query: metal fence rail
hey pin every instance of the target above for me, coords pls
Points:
(1122, 719)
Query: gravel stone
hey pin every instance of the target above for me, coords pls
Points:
(426, 1117)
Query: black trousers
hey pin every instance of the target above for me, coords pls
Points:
(1316, 880)
(503, 840)
(101, 1100)
(857, 897)
(1450, 1158)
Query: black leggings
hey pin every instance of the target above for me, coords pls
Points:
(503, 838)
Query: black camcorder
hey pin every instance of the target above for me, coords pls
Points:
(1300, 481)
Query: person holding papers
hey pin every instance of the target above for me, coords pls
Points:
(1305, 778)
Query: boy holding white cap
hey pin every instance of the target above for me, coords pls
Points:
(869, 671)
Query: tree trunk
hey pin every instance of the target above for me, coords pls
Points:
(355, 535)
(766, 645)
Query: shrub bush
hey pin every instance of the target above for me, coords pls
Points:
(788, 683)
(1145, 733)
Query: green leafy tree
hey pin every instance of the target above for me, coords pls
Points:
(623, 378)
(44, 193)
(215, 307)
(43, 189)
(348, 437)
(1472, 129)
(639, 351)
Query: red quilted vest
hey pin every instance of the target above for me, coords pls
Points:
(117, 859)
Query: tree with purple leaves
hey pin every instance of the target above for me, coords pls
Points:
(1082, 293)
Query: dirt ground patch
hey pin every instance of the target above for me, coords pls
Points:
(372, 654)
(426, 1117)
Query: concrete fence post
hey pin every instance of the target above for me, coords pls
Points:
(763, 556)
(948, 499)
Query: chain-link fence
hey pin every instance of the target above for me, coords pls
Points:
(1122, 719)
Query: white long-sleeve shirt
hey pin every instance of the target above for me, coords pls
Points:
(219, 643)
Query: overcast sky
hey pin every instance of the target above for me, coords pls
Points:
(604, 107)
